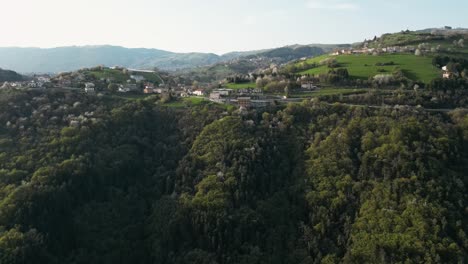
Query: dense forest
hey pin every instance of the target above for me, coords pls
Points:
(101, 180)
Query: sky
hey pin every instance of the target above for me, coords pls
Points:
(216, 26)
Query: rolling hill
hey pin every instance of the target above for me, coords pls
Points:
(34, 60)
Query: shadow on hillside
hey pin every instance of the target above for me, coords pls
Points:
(409, 74)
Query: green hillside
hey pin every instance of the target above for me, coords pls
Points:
(118, 76)
(418, 68)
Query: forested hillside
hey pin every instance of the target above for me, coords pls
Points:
(103, 180)
(9, 76)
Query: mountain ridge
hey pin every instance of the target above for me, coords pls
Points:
(59, 59)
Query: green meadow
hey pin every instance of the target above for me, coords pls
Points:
(417, 68)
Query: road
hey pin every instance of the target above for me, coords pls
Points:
(298, 100)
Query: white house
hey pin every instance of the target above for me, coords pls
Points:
(199, 92)
(89, 88)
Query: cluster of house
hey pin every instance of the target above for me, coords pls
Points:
(13, 85)
(36, 82)
(180, 90)
(90, 88)
(394, 49)
(244, 98)
(39, 82)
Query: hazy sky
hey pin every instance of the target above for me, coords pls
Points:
(216, 25)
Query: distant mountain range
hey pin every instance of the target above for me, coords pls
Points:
(54, 60)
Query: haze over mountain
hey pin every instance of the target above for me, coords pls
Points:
(72, 58)
(28, 60)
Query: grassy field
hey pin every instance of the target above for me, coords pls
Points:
(240, 85)
(329, 91)
(418, 68)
